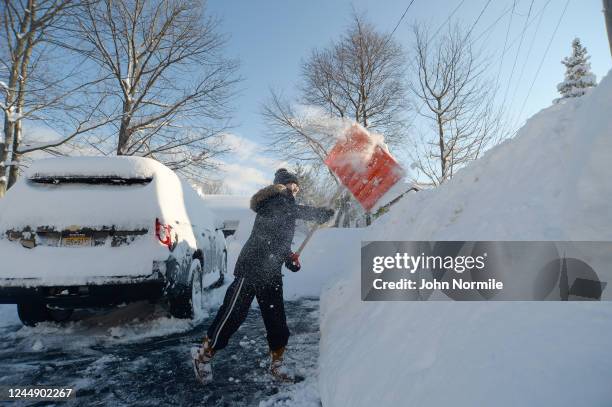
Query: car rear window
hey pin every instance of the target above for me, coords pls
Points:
(89, 180)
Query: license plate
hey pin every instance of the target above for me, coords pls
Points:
(76, 241)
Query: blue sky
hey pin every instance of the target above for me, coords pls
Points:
(272, 37)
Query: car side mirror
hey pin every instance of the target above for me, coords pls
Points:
(219, 224)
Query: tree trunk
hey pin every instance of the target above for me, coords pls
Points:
(24, 63)
(8, 125)
(443, 166)
(4, 153)
(16, 157)
(124, 130)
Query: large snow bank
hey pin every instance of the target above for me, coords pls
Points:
(549, 183)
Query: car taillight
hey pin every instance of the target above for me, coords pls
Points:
(163, 233)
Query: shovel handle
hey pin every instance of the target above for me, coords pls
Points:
(315, 227)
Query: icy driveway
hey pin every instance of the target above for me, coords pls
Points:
(112, 364)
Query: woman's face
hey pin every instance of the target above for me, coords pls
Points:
(293, 187)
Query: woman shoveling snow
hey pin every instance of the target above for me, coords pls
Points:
(258, 274)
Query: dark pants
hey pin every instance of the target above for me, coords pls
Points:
(236, 304)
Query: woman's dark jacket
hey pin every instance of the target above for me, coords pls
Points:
(269, 245)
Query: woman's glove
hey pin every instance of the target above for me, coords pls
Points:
(326, 214)
(293, 262)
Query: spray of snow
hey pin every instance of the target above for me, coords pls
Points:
(316, 121)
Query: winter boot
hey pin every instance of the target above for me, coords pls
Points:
(201, 361)
(276, 366)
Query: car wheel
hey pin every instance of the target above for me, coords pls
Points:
(189, 299)
(32, 313)
(60, 314)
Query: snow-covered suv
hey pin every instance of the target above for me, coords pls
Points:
(101, 231)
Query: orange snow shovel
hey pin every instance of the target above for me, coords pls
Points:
(362, 165)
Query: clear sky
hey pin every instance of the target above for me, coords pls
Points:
(272, 37)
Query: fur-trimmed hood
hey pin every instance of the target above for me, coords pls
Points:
(266, 193)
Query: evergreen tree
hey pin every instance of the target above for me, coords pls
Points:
(578, 75)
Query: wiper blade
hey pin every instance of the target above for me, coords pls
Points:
(105, 180)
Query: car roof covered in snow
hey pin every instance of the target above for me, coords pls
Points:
(136, 206)
(121, 166)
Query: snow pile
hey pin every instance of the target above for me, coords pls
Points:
(546, 184)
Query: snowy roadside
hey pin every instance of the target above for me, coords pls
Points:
(156, 371)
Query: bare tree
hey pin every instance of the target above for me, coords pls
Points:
(30, 86)
(457, 100)
(358, 78)
(361, 78)
(170, 83)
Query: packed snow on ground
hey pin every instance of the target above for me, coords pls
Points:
(125, 324)
(548, 183)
